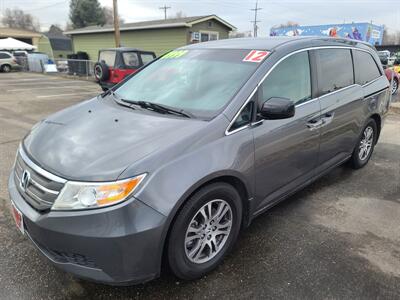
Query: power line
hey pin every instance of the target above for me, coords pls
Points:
(165, 10)
(255, 18)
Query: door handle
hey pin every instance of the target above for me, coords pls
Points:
(328, 117)
(315, 124)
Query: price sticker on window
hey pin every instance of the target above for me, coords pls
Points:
(256, 56)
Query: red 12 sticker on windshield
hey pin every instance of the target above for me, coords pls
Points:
(256, 56)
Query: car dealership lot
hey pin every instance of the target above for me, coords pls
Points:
(338, 238)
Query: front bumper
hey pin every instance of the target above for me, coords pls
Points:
(121, 244)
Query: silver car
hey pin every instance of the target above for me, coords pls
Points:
(173, 162)
(7, 62)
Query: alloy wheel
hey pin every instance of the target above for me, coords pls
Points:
(208, 231)
(366, 143)
(394, 87)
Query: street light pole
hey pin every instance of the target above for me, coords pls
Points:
(117, 35)
(165, 7)
(255, 18)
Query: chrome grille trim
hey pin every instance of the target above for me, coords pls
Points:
(40, 188)
(44, 189)
(38, 169)
(36, 198)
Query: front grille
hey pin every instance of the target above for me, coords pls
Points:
(38, 187)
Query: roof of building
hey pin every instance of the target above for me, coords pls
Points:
(270, 43)
(18, 33)
(155, 24)
(58, 40)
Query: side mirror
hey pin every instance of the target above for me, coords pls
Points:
(277, 108)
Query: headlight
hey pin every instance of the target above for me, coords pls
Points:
(85, 195)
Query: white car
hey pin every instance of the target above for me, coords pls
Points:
(7, 61)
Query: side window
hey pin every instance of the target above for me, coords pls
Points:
(244, 118)
(365, 67)
(131, 59)
(335, 69)
(146, 58)
(290, 79)
(4, 55)
(108, 57)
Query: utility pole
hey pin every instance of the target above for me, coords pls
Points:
(255, 18)
(117, 35)
(165, 10)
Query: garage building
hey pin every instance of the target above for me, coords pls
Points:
(159, 36)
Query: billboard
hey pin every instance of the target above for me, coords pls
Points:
(366, 32)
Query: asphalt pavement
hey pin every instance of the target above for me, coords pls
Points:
(337, 239)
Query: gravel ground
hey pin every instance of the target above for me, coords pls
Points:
(338, 238)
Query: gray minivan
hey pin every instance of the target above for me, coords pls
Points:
(170, 164)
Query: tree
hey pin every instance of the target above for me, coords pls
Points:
(84, 13)
(109, 16)
(55, 29)
(287, 24)
(180, 14)
(17, 18)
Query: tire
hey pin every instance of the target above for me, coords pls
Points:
(395, 86)
(360, 157)
(101, 72)
(181, 261)
(6, 68)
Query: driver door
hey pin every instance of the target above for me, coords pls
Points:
(286, 150)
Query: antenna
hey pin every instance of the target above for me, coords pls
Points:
(165, 10)
(255, 18)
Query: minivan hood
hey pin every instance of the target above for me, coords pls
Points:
(98, 139)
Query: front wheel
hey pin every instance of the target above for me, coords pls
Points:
(204, 231)
(6, 68)
(365, 145)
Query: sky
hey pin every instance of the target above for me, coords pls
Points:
(236, 12)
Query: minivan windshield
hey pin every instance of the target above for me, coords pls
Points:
(200, 81)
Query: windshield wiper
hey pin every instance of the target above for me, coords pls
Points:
(120, 101)
(162, 108)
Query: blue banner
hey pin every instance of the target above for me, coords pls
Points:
(366, 32)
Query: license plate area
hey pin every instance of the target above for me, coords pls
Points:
(18, 218)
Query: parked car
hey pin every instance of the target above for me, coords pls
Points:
(386, 57)
(7, 62)
(115, 64)
(172, 163)
(396, 79)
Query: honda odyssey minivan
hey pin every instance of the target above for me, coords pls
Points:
(169, 165)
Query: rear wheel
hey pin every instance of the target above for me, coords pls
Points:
(6, 68)
(101, 72)
(204, 231)
(365, 146)
(395, 86)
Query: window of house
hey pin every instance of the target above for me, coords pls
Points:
(209, 36)
(335, 69)
(290, 79)
(365, 68)
(108, 57)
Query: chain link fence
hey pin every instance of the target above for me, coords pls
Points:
(62, 66)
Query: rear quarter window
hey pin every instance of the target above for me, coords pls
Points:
(146, 58)
(108, 57)
(335, 69)
(365, 67)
